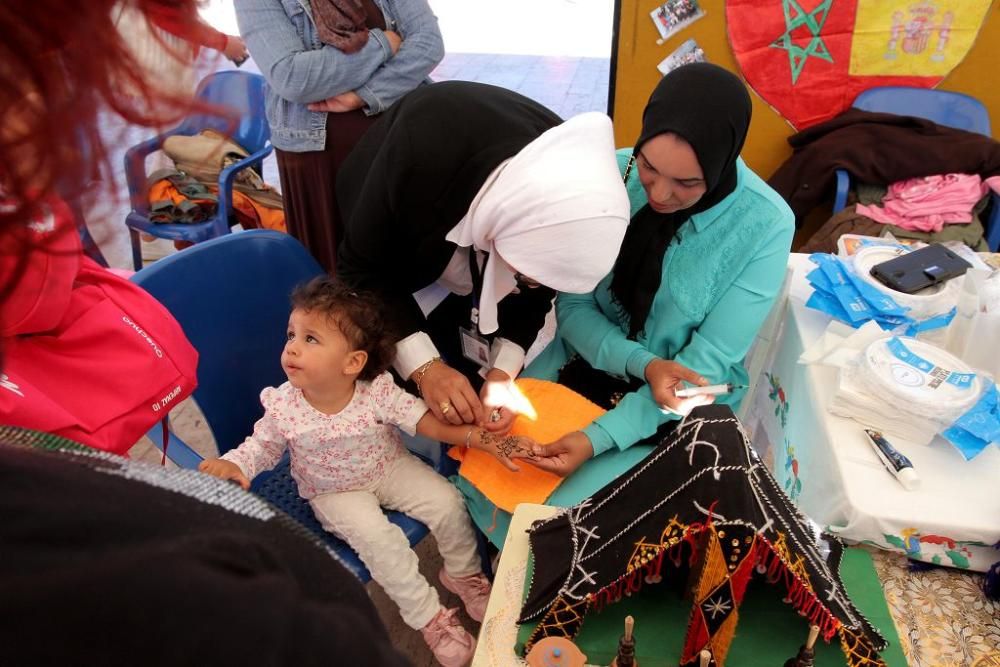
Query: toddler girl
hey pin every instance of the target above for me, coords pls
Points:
(338, 415)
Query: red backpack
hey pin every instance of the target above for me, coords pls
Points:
(84, 354)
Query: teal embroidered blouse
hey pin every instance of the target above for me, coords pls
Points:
(721, 274)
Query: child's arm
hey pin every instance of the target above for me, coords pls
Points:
(503, 447)
(394, 405)
(260, 452)
(245, 462)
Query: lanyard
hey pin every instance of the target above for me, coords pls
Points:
(477, 284)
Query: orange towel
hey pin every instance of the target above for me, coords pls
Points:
(560, 411)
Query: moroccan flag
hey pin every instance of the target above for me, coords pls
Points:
(809, 59)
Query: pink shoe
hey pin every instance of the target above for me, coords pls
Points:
(448, 640)
(473, 589)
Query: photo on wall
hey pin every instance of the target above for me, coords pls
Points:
(685, 54)
(673, 15)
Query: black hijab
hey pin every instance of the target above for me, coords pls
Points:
(708, 107)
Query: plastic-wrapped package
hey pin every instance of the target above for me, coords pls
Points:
(974, 334)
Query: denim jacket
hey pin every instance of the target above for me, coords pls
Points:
(300, 69)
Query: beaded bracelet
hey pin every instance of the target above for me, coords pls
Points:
(418, 375)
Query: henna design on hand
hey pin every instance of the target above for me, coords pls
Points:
(504, 444)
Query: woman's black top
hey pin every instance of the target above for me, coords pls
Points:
(412, 177)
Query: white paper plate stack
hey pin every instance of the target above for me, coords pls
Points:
(888, 394)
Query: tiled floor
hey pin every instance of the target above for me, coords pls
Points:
(568, 86)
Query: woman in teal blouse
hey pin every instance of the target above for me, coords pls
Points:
(700, 267)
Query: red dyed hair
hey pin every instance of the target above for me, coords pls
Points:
(61, 63)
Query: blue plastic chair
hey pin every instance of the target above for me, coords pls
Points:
(242, 93)
(231, 296)
(944, 108)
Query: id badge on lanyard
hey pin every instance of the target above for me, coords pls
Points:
(475, 348)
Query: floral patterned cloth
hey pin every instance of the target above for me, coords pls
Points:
(942, 616)
(827, 467)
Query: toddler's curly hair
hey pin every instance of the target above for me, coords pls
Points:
(357, 314)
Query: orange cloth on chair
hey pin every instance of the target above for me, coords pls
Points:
(560, 411)
(250, 214)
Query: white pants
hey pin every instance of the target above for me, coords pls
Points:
(411, 487)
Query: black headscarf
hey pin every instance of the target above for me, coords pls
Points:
(708, 107)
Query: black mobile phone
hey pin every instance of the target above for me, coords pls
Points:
(920, 269)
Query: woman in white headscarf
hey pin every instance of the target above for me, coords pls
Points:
(459, 171)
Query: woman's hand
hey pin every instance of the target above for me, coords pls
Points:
(395, 41)
(505, 447)
(665, 378)
(497, 396)
(344, 102)
(449, 395)
(224, 470)
(565, 455)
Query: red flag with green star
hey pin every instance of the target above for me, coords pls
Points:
(809, 59)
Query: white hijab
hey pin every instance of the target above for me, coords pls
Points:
(556, 213)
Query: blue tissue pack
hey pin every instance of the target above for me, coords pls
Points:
(842, 294)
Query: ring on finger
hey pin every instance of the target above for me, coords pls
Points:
(445, 407)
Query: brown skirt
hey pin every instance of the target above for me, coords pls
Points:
(308, 185)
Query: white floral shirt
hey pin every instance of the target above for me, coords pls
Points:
(341, 452)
